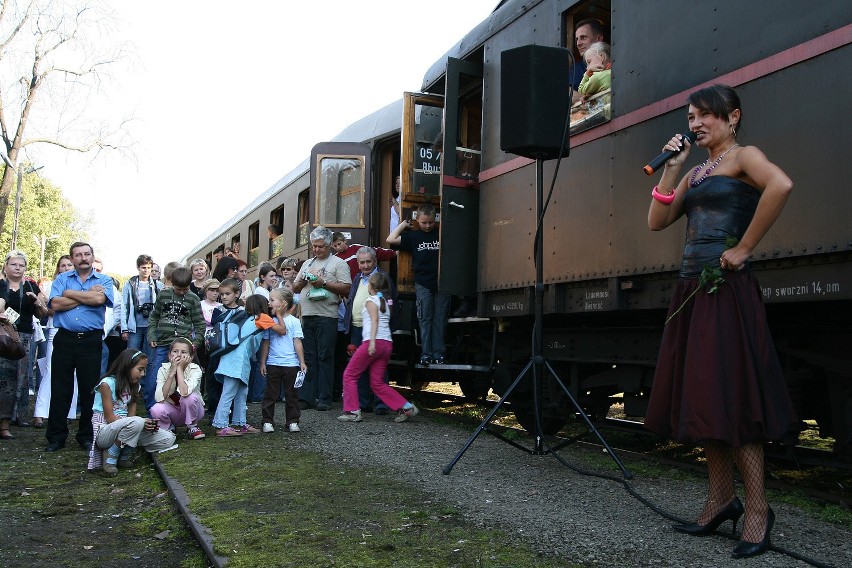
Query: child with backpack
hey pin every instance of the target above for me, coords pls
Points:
(234, 366)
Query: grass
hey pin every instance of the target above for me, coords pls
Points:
(291, 508)
(56, 513)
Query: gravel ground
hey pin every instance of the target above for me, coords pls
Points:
(584, 519)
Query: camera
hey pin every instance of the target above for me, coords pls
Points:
(146, 309)
(311, 277)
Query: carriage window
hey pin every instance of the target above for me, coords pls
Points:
(235, 245)
(254, 243)
(275, 232)
(340, 194)
(429, 144)
(304, 222)
(586, 25)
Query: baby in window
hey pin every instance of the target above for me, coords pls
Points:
(598, 76)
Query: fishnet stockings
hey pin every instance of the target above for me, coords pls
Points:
(750, 463)
(720, 467)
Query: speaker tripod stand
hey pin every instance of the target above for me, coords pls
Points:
(537, 364)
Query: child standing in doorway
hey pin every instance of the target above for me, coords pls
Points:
(432, 306)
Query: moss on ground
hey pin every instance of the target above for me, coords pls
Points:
(291, 508)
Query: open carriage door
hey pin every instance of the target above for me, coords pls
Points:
(459, 264)
(420, 172)
(340, 177)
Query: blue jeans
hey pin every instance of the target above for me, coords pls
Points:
(366, 396)
(155, 361)
(318, 343)
(139, 340)
(234, 393)
(432, 313)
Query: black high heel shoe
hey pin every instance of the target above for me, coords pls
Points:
(749, 549)
(732, 512)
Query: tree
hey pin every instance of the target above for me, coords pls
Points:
(54, 56)
(45, 213)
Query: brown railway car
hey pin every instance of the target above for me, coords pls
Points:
(607, 278)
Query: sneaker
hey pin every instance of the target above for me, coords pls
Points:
(109, 468)
(406, 413)
(425, 360)
(293, 427)
(195, 433)
(323, 407)
(438, 360)
(228, 432)
(268, 427)
(381, 410)
(350, 416)
(248, 429)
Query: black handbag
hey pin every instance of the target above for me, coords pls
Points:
(10, 342)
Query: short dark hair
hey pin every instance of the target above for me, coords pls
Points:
(265, 269)
(79, 244)
(595, 25)
(256, 305)
(274, 229)
(219, 249)
(143, 259)
(181, 276)
(718, 100)
(338, 236)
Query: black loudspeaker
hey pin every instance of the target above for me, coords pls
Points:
(535, 97)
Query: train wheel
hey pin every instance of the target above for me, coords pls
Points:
(551, 422)
(475, 387)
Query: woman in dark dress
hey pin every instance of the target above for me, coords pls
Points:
(718, 380)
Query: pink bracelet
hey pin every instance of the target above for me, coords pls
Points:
(664, 199)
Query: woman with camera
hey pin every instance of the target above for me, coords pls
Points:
(138, 296)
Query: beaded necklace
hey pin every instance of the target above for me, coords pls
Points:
(692, 182)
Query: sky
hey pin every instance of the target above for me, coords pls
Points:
(228, 97)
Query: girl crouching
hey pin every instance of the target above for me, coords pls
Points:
(117, 429)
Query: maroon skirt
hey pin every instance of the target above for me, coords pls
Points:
(718, 376)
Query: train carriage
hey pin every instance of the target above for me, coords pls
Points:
(607, 278)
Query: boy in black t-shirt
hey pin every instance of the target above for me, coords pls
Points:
(432, 306)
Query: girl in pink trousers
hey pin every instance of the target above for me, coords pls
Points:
(178, 393)
(373, 354)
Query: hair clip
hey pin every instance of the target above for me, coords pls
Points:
(136, 355)
(379, 295)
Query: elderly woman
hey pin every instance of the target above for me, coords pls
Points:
(25, 298)
(718, 379)
(200, 273)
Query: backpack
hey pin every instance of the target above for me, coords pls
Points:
(225, 335)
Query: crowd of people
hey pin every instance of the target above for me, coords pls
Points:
(94, 346)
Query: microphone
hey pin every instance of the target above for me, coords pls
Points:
(655, 164)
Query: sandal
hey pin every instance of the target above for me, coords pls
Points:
(6, 435)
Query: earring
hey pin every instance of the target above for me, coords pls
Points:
(733, 131)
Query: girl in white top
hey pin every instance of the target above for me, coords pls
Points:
(178, 391)
(373, 355)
